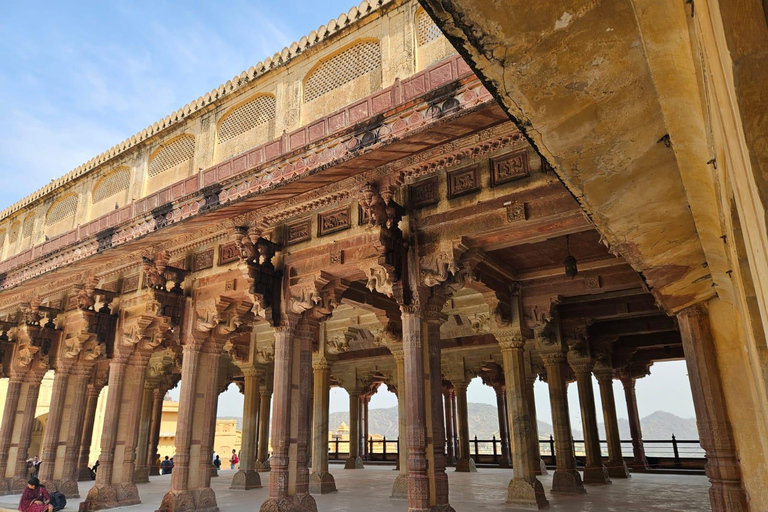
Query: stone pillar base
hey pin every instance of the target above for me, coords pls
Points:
(214, 471)
(505, 463)
(541, 468)
(639, 465)
(567, 481)
(5, 487)
(17, 485)
(596, 475)
(303, 503)
(84, 475)
(69, 488)
(262, 466)
(728, 497)
(400, 488)
(193, 500)
(618, 469)
(321, 483)
(442, 508)
(109, 496)
(466, 466)
(154, 471)
(141, 476)
(354, 463)
(244, 480)
(525, 494)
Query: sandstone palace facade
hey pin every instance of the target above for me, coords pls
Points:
(369, 206)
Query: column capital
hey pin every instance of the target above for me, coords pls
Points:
(696, 310)
(321, 363)
(397, 350)
(509, 339)
(553, 358)
(602, 373)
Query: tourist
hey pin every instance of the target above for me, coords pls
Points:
(213, 457)
(35, 497)
(166, 466)
(217, 463)
(233, 460)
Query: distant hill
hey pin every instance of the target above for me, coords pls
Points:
(484, 423)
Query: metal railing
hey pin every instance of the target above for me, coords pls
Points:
(661, 453)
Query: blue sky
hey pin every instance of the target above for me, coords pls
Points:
(78, 77)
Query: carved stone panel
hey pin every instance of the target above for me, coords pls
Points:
(130, 283)
(516, 211)
(228, 253)
(509, 167)
(593, 282)
(362, 216)
(463, 181)
(203, 260)
(423, 193)
(333, 221)
(298, 232)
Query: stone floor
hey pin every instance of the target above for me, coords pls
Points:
(369, 489)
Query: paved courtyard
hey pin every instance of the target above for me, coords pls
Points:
(369, 489)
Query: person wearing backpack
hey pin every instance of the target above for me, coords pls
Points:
(233, 460)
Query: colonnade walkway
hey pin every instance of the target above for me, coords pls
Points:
(369, 489)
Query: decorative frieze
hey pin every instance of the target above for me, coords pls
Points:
(228, 253)
(131, 283)
(516, 211)
(202, 260)
(509, 167)
(463, 181)
(423, 193)
(298, 232)
(333, 221)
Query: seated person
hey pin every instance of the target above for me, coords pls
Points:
(35, 498)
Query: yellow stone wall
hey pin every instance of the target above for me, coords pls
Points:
(215, 129)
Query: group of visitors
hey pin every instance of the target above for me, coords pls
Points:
(233, 460)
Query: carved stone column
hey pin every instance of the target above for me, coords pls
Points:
(594, 471)
(321, 481)
(501, 408)
(448, 406)
(92, 401)
(191, 477)
(51, 437)
(465, 463)
(102, 494)
(354, 461)
(141, 473)
(435, 414)
(639, 461)
(530, 380)
(67, 481)
(31, 392)
(281, 421)
(6, 428)
(616, 466)
(566, 479)
(715, 434)
(247, 477)
(524, 489)
(413, 352)
(262, 459)
(306, 333)
(158, 396)
(400, 486)
(364, 401)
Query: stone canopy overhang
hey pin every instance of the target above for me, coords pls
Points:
(605, 95)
